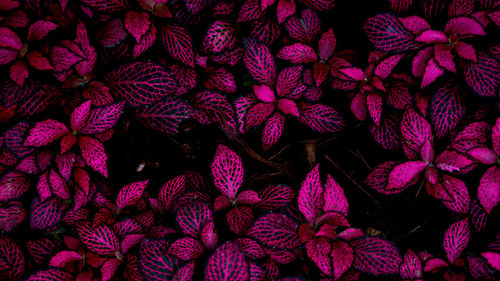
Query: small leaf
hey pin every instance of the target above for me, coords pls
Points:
(130, 193)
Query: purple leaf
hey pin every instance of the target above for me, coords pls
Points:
(171, 190)
(303, 28)
(334, 197)
(106, 6)
(310, 198)
(272, 130)
(227, 171)
(100, 240)
(456, 238)
(275, 197)
(239, 219)
(141, 83)
(411, 268)
(53, 274)
(130, 193)
(388, 34)
(227, 263)
(376, 256)
(342, 258)
(220, 36)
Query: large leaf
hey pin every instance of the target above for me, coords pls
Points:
(483, 77)
(321, 118)
(141, 83)
(53, 274)
(227, 263)
(220, 36)
(45, 215)
(45, 132)
(94, 154)
(192, 217)
(177, 41)
(171, 190)
(275, 197)
(488, 191)
(102, 119)
(227, 171)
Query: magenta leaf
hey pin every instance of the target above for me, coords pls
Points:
(454, 194)
(220, 36)
(137, 24)
(388, 34)
(456, 238)
(227, 171)
(186, 248)
(171, 190)
(310, 198)
(112, 33)
(94, 154)
(404, 175)
(106, 6)
(259, 61)
(275, 230)
(415, 130)
(376, 256)
(326, 45)
(141, 83)
(334, 197)
(227, 263)
(222, 80)
(483, 77)
(488, 191)
(45, 132)
(191, 218)
(177, 41)
(250, 247)
(165, 116)
(272, 130)
(155, 263)
(103, 118)
(130, 193)
(15, 138)
(304, 28)
(11, 215)
(13, 264)
(215, 107)
(320, 5)
(250, 10)
(239, 219)
(275, 197)
(62, 258)
(53, 274)
(447, 109)
(318, 250)
(45, 215)
(342, 258)
(321, 118)
(100, 240)
(411, 268)
(298, 54)
(80, 115)
(400, 5)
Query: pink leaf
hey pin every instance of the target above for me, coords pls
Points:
(447, 109)
(415, 130)
(45, 132)
(456, 238)
(227, 171)
(272, 130)
(192, 218)
(62, 258)
(220, 36)
(284, 9)
(13, 264)
(321, 118)
(264, 93)
(275, 230)
(186, 248)
(155, 263)
(137, 24)
(388, 34)
(40, 29)
(404, 175)
(239, 219)
(94, 154)
(171, 190)
(177, 41)
(227, 263)
(353, 73)
(466, 51)
(376, 256)
(165, 116)
(103, 118)
(411, 269)
(334, 197)
(275, 197)
(318, 250)
(464, 27)
(310, 198)
(327, 44)
(80, 115)
(483, 77)
(46, 215)
(106, 6)
(259, 61)
(130, 193)
(109, 268)
(488, 191)
(493, 259)
(298, 53)
(112, 33)
(342, 258)
(287, 80)
(415, 24)
(431, 73)
(303, 28)
(444, 57)
(100, 240)
(432, 37)
(288, 106)
(141, 83)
